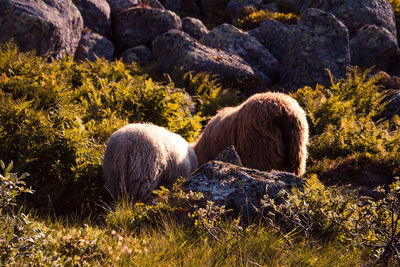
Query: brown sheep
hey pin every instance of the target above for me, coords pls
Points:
(269, 131)
(141, 157)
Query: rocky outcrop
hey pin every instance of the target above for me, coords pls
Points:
(230, 39)
(194, 27)
(93, 46)
(238, 9)
(136, 26)
(176, 49)
(187, 6)
(212, 7)
(117, 6)
(374, 46)
(240, 189)
(140, 54)
(357, 13)
(275, 36)
(46, 26)
(320, 42)
(96, 15)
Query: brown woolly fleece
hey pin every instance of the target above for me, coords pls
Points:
(141, 157)
(269, 131)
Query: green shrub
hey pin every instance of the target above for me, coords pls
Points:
(256, 18)
(11, 186)
(56, 118)
(329, 215)
(343, 120)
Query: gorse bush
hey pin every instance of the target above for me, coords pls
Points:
(255, 19)
(11, 186)
(56, 118)
(343, 120)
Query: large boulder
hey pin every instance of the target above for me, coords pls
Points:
(140, 25)
(140, 54)
(213, 7)
(292, 5)
(47, 26)
(240, 189)
(357, 13)
(237, 9)
(194, 27)
(374, 46)
(177, 49)
(93, 46)
(187, 6)
(96, 15)
(320, 42)
(275, 36)
(230, 39)
(117, 6)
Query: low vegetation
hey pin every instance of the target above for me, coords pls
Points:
(255, 19)
(57, 116)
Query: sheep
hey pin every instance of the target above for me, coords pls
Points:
(141, 157)
(269, 131)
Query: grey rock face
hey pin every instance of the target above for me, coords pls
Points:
(178, 49)
(374, 45)
(357, 13)
(230, 39)
(117, 6)
(93, 46)
(188, 6)
(240, 189)
(238, 9)
(229, 155)
(47, 26)
(320, 42)
(275, 36)
(210, 7)
(136, 26)
(140, 54)
(194, 27)
(96, 15)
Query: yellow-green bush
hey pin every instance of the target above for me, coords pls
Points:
(256, 18)
(56, 118)
(342, 120)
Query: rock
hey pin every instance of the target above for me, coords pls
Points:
(291, 5)
(359, 173)
(357, 13)
(237, 9)
(93, 46)
(240, 189)
(230, 155)
(275, 36)
(320, 42)
(96, 15)
(194, 27)
(212, 7)
(140, 54)
(140, 25)
(374, 46)
(230, 39)
(117, 6)
(187, 6)
(273, 7)
(393, 105)
(47, 26)
(395, 69)
(176, 49)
